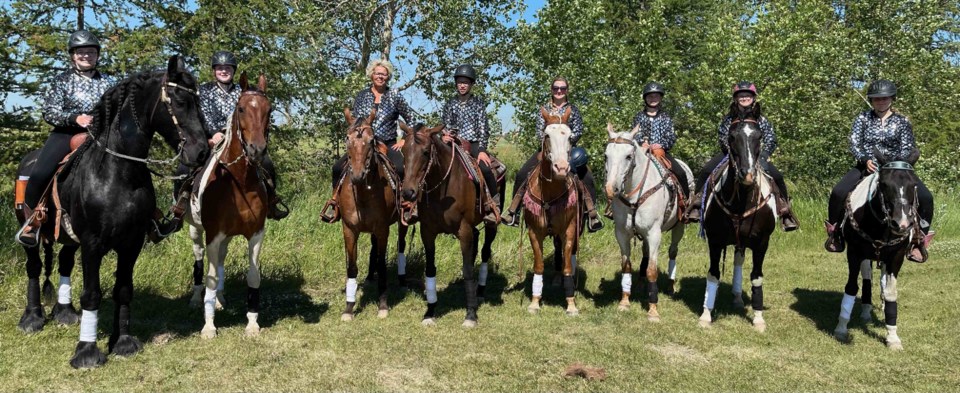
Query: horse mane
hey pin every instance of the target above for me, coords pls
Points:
(110, 104)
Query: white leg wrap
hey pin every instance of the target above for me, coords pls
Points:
(710, 298)
(209, 302)
(63, 292)
(431, 289)
(252, 318)
(846, 307)
(758, 282)
(482, 280)
(737, 283)
(351, 289)
(889, 289)
(401, 264)
(573, 263)
(537, 289)
(866, 270)
(88, 326)
(220, 279)
(672, 269)
(626, 282)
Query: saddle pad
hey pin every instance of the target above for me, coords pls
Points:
(862, 192)
(196, 195)
(468, 162)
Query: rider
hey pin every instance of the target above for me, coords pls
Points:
(390, 106)
(891, 133)
(578, 156)
(744, 96)
(67, 106)
(465, 116)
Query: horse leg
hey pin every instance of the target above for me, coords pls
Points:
(33, 319)
(626, 269)
(854, 261)
(569, 238)
(713, 283)
(401, 257)
(489, 235)
(196, 234)
(382, 307)
(675, 237)
(216, 252)
(557, 261)
(371, 263)
(888, 292)
(121, 342)
(253, 283)
(468, 249)
(429, 239)
(651, 245)
(64, 312)
(47, 291)
(536, 291)
(350, 246)
(86, 354)
(759, 252)
(866, 298)
(737, 283)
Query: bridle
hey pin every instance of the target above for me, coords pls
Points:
(236, 128)
(422, 182)
(370, 152)
(625, 197)
(886, 218)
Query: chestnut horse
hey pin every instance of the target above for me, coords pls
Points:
(552, 206)
(437, 180)
(234, 201)
(369, 203)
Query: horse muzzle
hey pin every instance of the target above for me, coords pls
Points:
(409, 194)
(561, 168)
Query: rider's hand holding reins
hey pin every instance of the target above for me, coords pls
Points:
(84, 120)
(397, 146)
(484, 158)
(871, 166)
(216, 139)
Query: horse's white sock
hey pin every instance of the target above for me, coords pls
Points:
(710, 298)
(483, 274)
(626, 281)
(401, 264)
(220, 279)
(537, 289)
(737, 279)
(209, 301)
(672, 269)
(846, 306)
(431, 289)
(88, 326)
(63, 291)
(351, 289)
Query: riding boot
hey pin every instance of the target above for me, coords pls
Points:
(834, 241)
(492, 212)
(161, 227)
(693, 211)
(918, 249)
(274, 211)
(593, 219)
(29, 233)
(511, 217)
(787, 219)
(331, 210)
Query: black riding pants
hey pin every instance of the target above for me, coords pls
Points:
(485, 170)
(54, 149)
(836, 205)
(679, 173)
(583, 172)
(395, 157)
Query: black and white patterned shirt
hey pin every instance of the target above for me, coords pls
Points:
(894, 139)
(575, 122)
(656, 129)
(71, 94)
(217, 105)
(768, 138)
(468, 120)
(392, 107)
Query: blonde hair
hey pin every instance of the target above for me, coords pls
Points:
(379, 63)
(560, 79)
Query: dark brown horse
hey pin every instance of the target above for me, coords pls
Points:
(552, 206)
(369, 203)
(234, 201)
(436, 179)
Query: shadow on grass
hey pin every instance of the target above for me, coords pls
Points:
(822, 309)
(693, 292)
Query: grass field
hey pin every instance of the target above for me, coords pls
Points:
(305, 347)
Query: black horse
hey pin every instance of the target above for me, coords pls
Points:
(880, 224)
(108, 193)
(739, 211)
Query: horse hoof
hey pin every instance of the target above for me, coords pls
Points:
(623, 307)
(346, 317)
(841, 336)
(126, 345)
(428, 322)
(469, 323)
(252, 331)
(895, 345)
(533, 308)
(32, 320)
(383, 314)
(653, 317)
(760, 326)
(87, 355)
(705, 322)
(65, 314)
(208, 332)
(573, 312)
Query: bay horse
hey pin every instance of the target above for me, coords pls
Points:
(645, 203)
(233, 201)
(436, 179)
(369, 203)
(880, 224)
(108, 196)
(740, 211)
(553, 206)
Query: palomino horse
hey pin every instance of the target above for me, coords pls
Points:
(645, 203)
(741, 212)
(115, 214)
(233, 201)
(552, 206)
(369, 203)
(879, 225)
(436, 179)
(63, 311)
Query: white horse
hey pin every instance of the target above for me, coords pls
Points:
(644, 205)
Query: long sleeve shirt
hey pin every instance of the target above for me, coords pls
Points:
(468, 119)
(575, 122)
(768, 137)
(894, 138)
(71, 94)
(656, 129)
(217, 105)
(392, 106)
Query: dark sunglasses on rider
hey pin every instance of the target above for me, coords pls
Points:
(559, 88)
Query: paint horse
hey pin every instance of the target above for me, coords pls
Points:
(553, 206)
(437, 180)
(880, 224)
(369, 203)
(740, 211)
(646, 201)
(232, 201)
(116, 213)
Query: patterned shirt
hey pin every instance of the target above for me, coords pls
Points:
(894, 139)
(656, 129)
(468, 119)
(392, 107)
(72, 94)
(217, 105)
(575, 122)
(768, 138)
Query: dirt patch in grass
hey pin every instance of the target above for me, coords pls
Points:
(677, 353)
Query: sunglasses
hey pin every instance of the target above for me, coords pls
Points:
(559, 88)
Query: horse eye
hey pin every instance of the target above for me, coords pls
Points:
(629, 157)
(240, 109)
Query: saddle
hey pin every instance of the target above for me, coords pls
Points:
(712, 187)
(461, 148)
(51, 193)
(393, 179)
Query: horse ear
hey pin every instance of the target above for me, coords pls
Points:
(406, 128)
(566, 115)
(611, 131)
(262, 82)
(349, 116)
(436, 129)
(373, 114)
(881, 158)
(244, 83)
(545, 115)
(635, 131)
(174, 65)
(913, 156)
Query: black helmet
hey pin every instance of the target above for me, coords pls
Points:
(653, 87)
(578, 157)
(81, 39)
(223, 58)
(466, 71)
(745, 86)
(882, 88)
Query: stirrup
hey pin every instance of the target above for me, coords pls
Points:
(330, 212)
(918, 251)
(834, 241)
(608, 211)
(275, 212)
(163, 228)
(594, 223)
(789, 223)
(28, 235)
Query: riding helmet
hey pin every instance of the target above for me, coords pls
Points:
(578, 157)
(882, 88)
(223, 58)
(81, 39)
(466, 71)
(653, 87)
(745, 86)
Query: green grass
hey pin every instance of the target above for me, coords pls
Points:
(305, 347)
